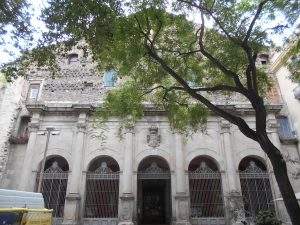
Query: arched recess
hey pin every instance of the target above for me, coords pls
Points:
(102, 188)
(255, 185)
(154, 191)
(206, 195)
(208, 153)
(52, 183)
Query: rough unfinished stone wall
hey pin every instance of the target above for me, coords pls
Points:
(12, 98)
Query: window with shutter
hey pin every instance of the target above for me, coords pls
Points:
(285, 131)
(110, 78)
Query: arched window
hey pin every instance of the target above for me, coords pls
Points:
(110, 78)
(206, 196)
(52, 182)
(102, 188)
(256, 188)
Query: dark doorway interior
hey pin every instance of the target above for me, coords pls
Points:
(154, 201)
(154, 191)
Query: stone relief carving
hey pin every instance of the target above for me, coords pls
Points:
(153, 138)
(293, 165)
(103, 169)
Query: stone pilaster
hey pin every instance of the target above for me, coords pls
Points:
(127, 197)
(233, 198)
(28, 175)
(181, 197)
(73, 198)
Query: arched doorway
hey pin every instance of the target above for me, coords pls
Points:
(154, 191)
(255, 185)
(206, 195)
(102, 189)
(52, 183)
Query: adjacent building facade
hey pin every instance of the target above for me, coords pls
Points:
(144, 174)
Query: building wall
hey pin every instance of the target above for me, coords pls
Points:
(12, 97)
(65, 104)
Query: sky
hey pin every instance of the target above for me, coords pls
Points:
(8, 52)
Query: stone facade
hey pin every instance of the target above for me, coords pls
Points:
(62, 124)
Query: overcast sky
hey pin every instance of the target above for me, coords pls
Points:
(9, 52)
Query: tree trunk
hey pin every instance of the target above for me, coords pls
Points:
(281, 175)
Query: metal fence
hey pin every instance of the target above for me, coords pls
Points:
(206, 196)
(102, 193)
(256, 190)
(54, 187)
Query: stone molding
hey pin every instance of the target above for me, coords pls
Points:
(149, 110)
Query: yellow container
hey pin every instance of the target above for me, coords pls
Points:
(24, 216)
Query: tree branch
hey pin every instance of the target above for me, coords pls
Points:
(218, 88)
(258, 11)
(216, 62)
(243, 126)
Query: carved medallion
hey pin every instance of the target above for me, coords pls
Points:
(153, 137)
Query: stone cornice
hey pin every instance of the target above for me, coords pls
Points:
(149, 110)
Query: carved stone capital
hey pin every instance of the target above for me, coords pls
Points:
(81, 127)
(129, 130)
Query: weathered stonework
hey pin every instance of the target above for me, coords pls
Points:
(12, 98)
(66, 103)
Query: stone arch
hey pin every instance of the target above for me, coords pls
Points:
(102, 188)
(52, 152)
(255, 185)
(205, 188)
(210, 162)
(101, 153)
(96, 162)
(52, 181)
(158, 153)
(154, 190)
(259, 161)
(62, 162)
(146, 162)
(212, 155)
(251, 152)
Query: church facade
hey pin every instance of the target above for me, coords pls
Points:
(144, 174)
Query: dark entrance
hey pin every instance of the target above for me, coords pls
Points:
(154, 202)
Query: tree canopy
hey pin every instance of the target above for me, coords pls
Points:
(177, 64)
(15, 19)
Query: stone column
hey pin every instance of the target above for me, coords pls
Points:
(272, 130)
(73, 198)
(233, 199)
(127, 197)
(27, 180)
(181, 197)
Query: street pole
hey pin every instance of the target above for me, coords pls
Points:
(48, 129)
